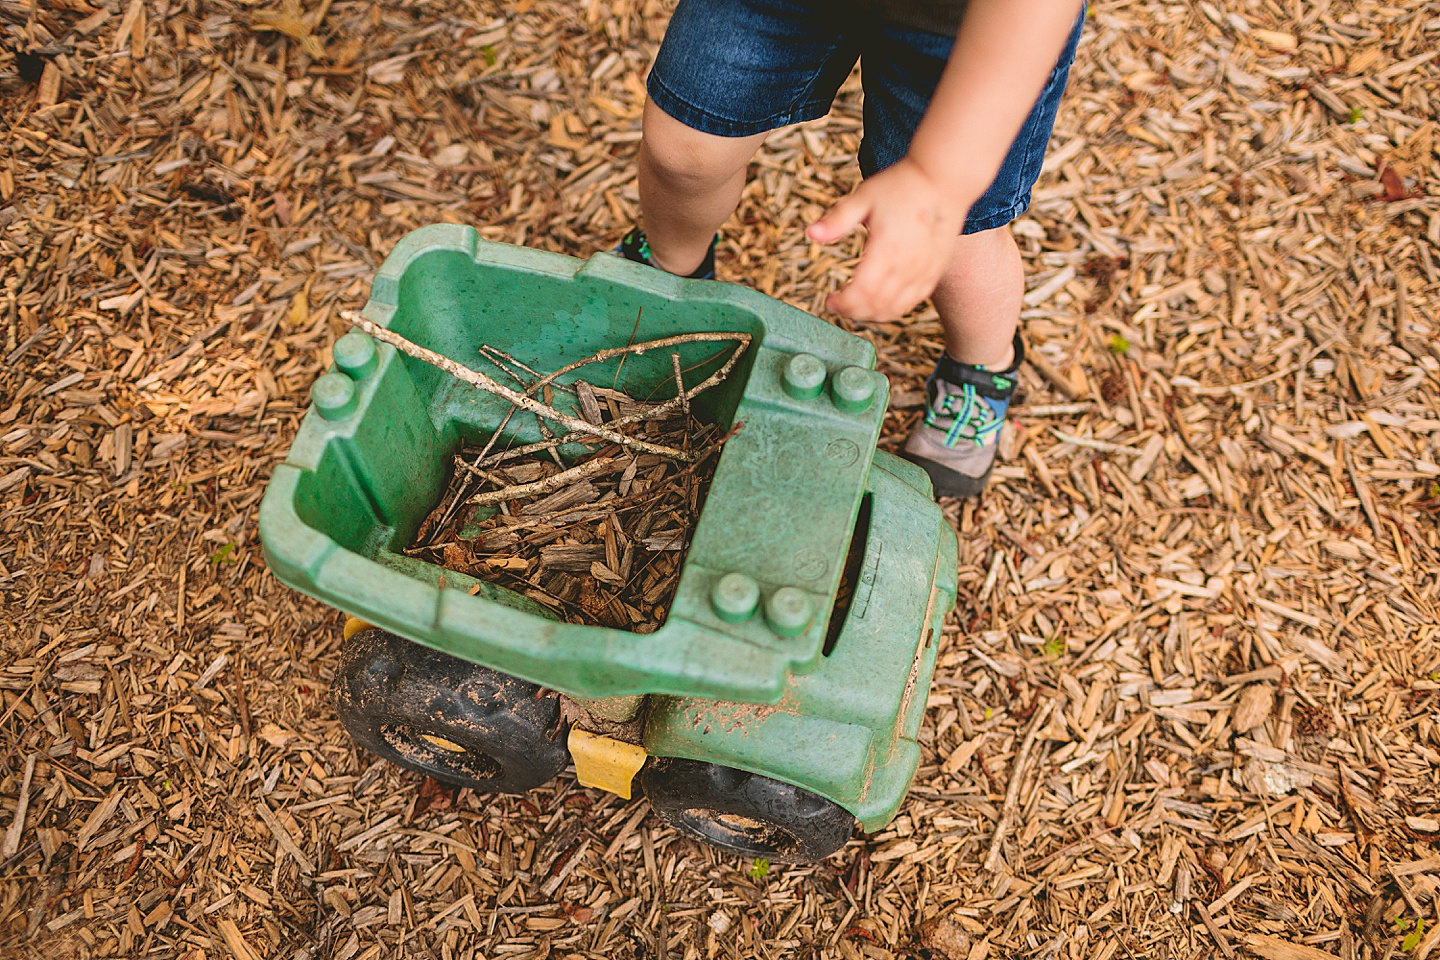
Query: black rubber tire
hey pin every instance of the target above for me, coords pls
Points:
(406, 702)
(745, 813)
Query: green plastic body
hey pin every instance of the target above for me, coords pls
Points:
(781, 510)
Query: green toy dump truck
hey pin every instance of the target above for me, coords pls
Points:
(780, 700)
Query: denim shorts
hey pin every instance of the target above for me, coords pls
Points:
(734, 68)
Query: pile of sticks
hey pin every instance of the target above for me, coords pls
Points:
(600, 539)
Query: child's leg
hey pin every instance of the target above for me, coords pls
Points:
(727, 73)
(980, 296)
(979, 299)
(690, 183)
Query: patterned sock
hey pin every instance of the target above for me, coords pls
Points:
(636, 248)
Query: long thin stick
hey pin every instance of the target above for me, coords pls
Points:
(478, 474)
(615, 384)
(590, 468)
(500, 358)
(680, 384)
(651, 413)
(481, 381)
(742, 340)
(1012, 792)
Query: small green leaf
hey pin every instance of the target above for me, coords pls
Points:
(472, 528)
(1054, 648)
(1118, 345)
(1410, 942)
(224, 555)
(488, 52)
(1356, 115)
(760, 869)
(1403, 923)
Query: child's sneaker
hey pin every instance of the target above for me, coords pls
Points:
(635, 247)
(957, 438)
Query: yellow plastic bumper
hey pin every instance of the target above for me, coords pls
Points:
(605, 763)
(354, 625)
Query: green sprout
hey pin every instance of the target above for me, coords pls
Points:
(760, 869)
(1356, 115)
(1412, 940)
(226, 554)
(488, 52)
(1054, 648)
(1118, 345)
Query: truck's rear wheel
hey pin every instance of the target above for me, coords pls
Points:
(447, 718)
(745, 813)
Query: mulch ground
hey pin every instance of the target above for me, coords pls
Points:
(1193, 673)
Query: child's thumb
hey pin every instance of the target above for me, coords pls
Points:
(841, 219)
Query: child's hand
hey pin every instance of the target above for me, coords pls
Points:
(913, 221)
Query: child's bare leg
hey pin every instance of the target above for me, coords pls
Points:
(690, 183)
(979, 299)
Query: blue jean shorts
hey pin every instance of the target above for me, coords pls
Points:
(734, 68)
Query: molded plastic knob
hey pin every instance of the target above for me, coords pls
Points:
(334, 396)
(355, 354)
(787, 611)
(735, 597)
(853, 389)
(804, 376)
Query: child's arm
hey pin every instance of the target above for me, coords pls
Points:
(916, 208)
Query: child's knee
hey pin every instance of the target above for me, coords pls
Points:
(687, 158)
(682, 167)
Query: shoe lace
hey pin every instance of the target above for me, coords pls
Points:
(978, 415)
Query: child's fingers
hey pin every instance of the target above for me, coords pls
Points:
(865, 294)
(875, 293)
(882, 288)
(840, 220)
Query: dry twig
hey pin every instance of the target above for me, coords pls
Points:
(1018, 771)
(583, 471)
(482, 382)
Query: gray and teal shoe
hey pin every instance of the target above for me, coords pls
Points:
(957, 438)
(633, 246)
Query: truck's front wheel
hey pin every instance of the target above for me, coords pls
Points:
(745, 813)
(447, 718)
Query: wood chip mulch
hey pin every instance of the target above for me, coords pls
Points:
(1193, 681)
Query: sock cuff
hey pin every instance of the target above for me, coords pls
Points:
(636, 247)
(988, 383)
